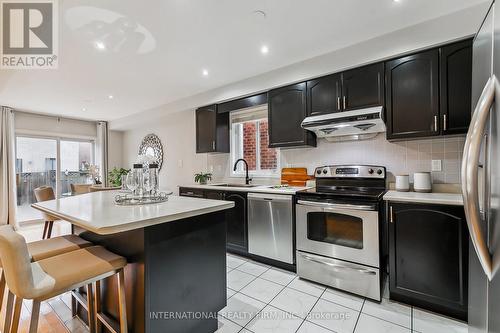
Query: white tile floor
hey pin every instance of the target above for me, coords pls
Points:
(263, 299)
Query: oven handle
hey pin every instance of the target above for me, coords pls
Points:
(336, 206)
(359, 270)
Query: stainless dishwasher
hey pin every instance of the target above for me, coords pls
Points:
(270, 226)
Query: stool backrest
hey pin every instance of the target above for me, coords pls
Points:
(24, 278)
(99, 188)
(44, 193)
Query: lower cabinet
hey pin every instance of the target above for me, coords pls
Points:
(237, 226)
(428, 257)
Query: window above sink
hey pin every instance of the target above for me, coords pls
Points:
(250, 140)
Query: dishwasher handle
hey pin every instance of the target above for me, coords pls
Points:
(269, 197)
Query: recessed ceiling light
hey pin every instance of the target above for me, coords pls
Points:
(100, 45)
(396, 0)
(205, 72)
(264, 49)
(84, 109)
(111, 96)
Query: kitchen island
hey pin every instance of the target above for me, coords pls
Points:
(176, 253)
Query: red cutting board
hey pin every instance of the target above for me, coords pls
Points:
(295, 176)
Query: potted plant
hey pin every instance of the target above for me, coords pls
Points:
(202, 178)
(115, 176)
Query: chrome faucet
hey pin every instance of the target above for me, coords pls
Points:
(247, 179)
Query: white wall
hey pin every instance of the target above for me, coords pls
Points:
(177, 134)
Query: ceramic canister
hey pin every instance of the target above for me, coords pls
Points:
(422, 182)
(402, 183)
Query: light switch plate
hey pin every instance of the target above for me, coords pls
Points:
(180, 163)
(436, 165)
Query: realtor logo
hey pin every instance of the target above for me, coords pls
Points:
(29, 34)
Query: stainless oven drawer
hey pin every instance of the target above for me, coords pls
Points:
(354, 278)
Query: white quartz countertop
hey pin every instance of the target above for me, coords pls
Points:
(253, 189)
(98, 213)
(431, 198)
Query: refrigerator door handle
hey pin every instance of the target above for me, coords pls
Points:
(470, 169)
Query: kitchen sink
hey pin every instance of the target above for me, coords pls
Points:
(235, 185)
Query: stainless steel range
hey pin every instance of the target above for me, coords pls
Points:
(338, 228)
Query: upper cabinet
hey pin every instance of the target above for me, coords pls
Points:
(287, 109)
(363, 87)
(324, 95)
(212, 130)
(412, 95)
(429, 93)
(354, 89)
(456, 87)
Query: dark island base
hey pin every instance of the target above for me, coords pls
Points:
(175, 278)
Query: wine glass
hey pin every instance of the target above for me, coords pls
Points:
(148, 184)
(131, 182)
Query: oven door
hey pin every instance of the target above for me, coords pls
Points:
(340, 231)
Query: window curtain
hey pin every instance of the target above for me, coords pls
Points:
(8, 200)
(102, 150)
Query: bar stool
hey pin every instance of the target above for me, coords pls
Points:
(41, 250)
(53, 276)
(44, 193)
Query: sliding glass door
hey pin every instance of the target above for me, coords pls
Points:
(46, 161)
(76, 157)
(36, 165)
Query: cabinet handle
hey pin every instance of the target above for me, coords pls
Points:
(338, 103)
(435, 123)
(344, 101)
(213, 145)
(445, 121)
(391, 215)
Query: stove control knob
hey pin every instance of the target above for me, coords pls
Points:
(379, 171)
(325, 171)
(370, 171)
(318, 171)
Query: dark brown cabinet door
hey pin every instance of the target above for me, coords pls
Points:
(236, 219)
(428, 257)
(363, 87)
(324, 95)
(287, 109)
(206, 129)
(412, 95)
(212, 130)
(456, 87)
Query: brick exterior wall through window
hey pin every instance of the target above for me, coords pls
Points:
(250, 144)
(268, 156)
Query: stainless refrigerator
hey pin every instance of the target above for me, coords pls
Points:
(481, 178)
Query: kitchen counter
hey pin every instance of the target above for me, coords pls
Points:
(454, 199)
(168, 247)
(98, 213)
(255, 189)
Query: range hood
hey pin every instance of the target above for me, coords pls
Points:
(349, 125)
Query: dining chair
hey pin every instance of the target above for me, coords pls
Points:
(80, 188)
(37, 251)
(44, 193)
(47, 278)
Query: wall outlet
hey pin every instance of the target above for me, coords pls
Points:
(180, 163)
(436, 165)
(211, 168)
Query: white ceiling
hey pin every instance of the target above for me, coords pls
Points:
(156, 49)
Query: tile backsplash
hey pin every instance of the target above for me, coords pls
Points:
(403, 157)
